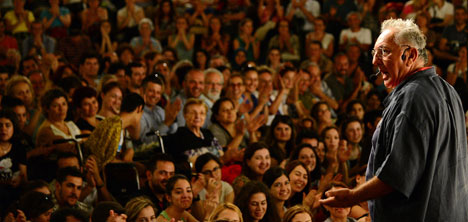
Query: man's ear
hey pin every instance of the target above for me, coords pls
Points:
(140, 109)
(57, 185)
(148, 174)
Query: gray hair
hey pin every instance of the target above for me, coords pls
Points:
(146, 20)
(407, 33)
(213, 70)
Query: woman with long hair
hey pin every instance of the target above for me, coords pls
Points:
(179, 195)
(12, 160)
(280, 138)
(216, 42)
(182, 41)
(277, 181)
(254, 165)
(247, 41)
(164, 21)
(140, 209)
(255, 201)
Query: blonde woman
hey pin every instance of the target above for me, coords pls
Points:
(140, 209)
(226, 212)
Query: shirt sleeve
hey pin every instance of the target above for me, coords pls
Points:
(405, 161)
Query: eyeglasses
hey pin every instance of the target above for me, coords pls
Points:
(210, 172)
(382, 52)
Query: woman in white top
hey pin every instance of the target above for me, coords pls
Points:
(55, 107)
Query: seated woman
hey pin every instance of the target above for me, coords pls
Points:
(179, 195)
(196, 141)
(337, 214)
(215, 42)
(306, 154)
(280, 138)
(55, 106)
(298, 213)
(20, 87)
(255, 201)
(321, 113)
(12, 160)
(300, 183)
(182, 41)
(56, 19)
(140, 209)
(254, 165)
(280, 189)
(208, 169)
(226, 128)
(226, 212)
(85, 101)
(288, 43)
(92, 16)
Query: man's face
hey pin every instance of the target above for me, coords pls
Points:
(68, 162)
(236, 86)
(3, 81)
(138, 74)
(37, 82)
(194, 84)
(314, 50)
(29, 65)
(341, 65)
(304, 82)
(153, 94)
(68, 191)
(21, 115)
(91, 67)
(213, 85)
(315, 77)
(265, 81)
(163, 68)
(120, 74)
(353, 21)
(460, 16)
(36, 29)
(391, 65)
(161, 174)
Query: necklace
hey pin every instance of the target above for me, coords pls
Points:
(6, 150)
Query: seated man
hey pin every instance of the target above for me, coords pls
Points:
(155, 118)
(68, 190)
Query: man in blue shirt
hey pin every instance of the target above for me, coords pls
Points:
(417, 168)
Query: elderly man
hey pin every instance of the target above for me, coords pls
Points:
(214, 81)
(417, 168)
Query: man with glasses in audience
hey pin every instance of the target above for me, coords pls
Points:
(417, 168)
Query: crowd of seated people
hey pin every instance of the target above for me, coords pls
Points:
(198, 110)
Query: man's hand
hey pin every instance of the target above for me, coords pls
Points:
(341, 197)
(171, 111)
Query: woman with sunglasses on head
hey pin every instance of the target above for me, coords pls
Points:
(209, 187)
(140, 209)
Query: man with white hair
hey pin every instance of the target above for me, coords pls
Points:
(417, 168)
(214, 81)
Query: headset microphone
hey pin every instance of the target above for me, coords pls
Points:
(373, 77)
